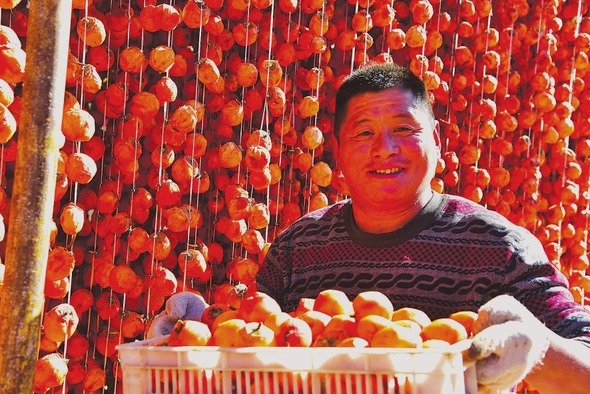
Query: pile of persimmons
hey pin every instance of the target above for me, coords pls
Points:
(329, 320)
(193, 131)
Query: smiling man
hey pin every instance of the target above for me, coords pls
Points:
(435, 252)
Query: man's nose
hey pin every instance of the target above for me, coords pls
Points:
(385, 144)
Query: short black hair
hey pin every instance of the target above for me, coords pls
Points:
(375, 77)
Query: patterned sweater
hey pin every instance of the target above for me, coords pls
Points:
(455, 255)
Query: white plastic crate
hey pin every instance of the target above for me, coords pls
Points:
(150, 368)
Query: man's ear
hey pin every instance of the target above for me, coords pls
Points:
(335, 148)
(436, 135)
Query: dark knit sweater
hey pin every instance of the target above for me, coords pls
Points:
(455, 255)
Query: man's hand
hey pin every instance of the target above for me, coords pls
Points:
(509, 341)
(180, 306)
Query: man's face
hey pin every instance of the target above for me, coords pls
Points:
(388, 149)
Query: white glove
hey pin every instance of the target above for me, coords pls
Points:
(509, 341)
(160, 325)
(186, 306)
(180, 306)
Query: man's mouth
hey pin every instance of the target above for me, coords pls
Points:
(388, 171)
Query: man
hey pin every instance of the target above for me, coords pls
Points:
(438, 253)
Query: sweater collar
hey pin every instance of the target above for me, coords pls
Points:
(424, 219)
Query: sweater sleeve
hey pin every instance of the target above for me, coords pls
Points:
(542, 288)
(273, 277)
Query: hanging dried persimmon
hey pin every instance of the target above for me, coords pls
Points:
(245, 33)
(12, 64)
(80, 168)
(247, 74)
(207, 71)
(91, 31)
(144, 105)
(8, 124)
(161, 58)
(195, 14)
(133, 60)
(232, 113)
(77, 125)
(72, 219)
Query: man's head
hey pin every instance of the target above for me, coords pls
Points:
(388, 144)
(377, 77)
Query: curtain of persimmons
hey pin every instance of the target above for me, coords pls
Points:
(195, 130)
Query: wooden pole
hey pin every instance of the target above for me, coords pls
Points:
(27, 245)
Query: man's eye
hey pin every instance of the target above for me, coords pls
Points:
(364, 133)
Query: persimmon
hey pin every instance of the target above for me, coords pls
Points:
(255, 333)
(312, 137)
(256, 157)
(72, 219)
(227, 315)
(257, 306)
(316, 320)
(275, 319)
(368, 325)
(95, 148)
(161, 58)
(207, 71)
(466, 318)
(122, 278)
(95, 378)
(252, 241)
(225, 333)
(107, 306)
(56, 289)
(333, 302)
(132, 324)
(446, 329)
(396, 336)
(78, 345)
(212, 312)
(232, 113)
(8, 124)
(343, 322)
(91, 31)
(149, 18)
(6, 93)
(168, 194)
(189, 333)
(330, 338)
(192, 262)
(60, 322)
(12, 64)
(270, 72)
(195, 14)
(107, 341)
(82, 300)
(9, 38)
(80, 168)
(293, 332)
(60, 263)
(186, 117)
(161, 246)
(50, 371)
(414, 314)
(230, 155)
(245, 33)
(133, 60)
(144, 105)
(242, 269)
(247, 74)
(372, 303)
(163, 281)
(308, 106)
